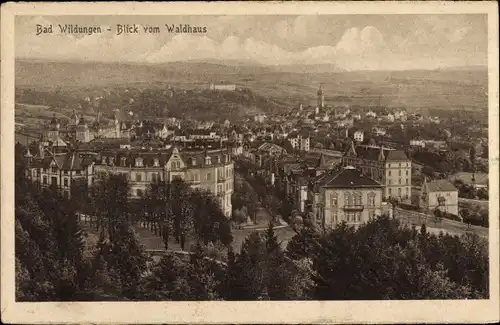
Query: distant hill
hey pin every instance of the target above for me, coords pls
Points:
(285, 84)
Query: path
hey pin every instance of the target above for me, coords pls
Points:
(449, 226)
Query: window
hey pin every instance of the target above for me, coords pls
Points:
(407, 181)
(156, 162)
(139, 193)
(357, 198)
(399, 192)
(389, 173)
(177, 177)
(335, 216)
(399, 172)
(138, 177)
(333, 200)
(208, 160)
(347, 199)
(45, 180)
(219, 188)
(78, 172)
(123, 161)
(193, 162)
(406, 173)
(65, 182)
(371, 199)
(208, 176)
(54, 169)
(218, 160)
(155, 177)
(400, 181)
(390, 182)
(390, 191)
(138, 162)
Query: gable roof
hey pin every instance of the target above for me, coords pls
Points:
(440, 185)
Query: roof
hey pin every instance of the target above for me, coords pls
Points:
(271, 146)
(396, 155)
(440, 185)
(128, 157)
(373, 153)
(348, 177)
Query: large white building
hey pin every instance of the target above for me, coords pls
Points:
(211, 170)
(300, 142)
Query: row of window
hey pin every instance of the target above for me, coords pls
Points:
(400, 191)
(191, 177)
(407, 182)
(399, 173)
(55, 170)
(227, 187)
(139, 162)
(352, 199)
(348, 217)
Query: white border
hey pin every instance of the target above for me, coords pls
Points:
(480, 311)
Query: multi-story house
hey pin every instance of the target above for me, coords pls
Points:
(439, 195)
(300, 141)
(359, 136)
(344, 195)
(59, 170)
(391, 168)
(211, 170)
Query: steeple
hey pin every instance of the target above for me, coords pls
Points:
(352, 149)
(320, 98)
(75, 117)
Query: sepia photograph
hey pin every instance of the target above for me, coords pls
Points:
(291, 157)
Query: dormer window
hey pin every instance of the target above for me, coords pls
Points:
(111, 161)
(104, 160)
(156, 162)
(218, 160)
(123, 161)
(208, 161)
(193, 162)
(138, 162)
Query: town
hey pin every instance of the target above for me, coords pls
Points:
(212, 184)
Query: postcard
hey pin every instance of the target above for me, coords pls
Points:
(249, 162)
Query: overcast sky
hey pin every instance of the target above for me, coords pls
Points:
(352, 42)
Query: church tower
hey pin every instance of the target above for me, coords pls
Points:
(320, 99)
(117, 125)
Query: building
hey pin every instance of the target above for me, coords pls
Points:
(417, 143)
(79, 130)
(345, 195)
(439, 195)
(211, 170)
(272, 149)
(391, 168)
(59, 170)
(359, 136)
(300, 142)
(222, 87)
(260, 118)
